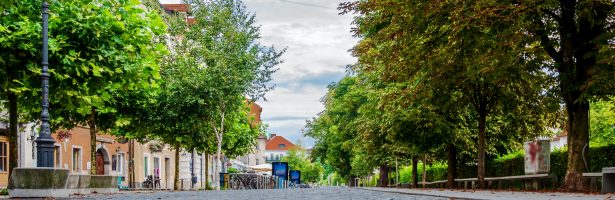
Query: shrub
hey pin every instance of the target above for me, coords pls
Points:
(232, 170)
(513, 164)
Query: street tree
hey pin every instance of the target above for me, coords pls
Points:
(443, 51)
(234, 65)
(98, 53)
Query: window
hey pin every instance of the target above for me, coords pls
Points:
(257, 161)
(281, 146)
(114, 162)
(271, 156)
(56, 157)
(157, 166)
(76, 159)
(120, 163)
(4, 165)
(145, 165)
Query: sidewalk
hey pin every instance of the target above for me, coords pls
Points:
(499, 195)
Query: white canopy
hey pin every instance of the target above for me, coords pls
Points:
(261, 168)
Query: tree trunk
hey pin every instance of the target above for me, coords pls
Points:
(452, 166)
(206, 171)
(192, 175)
(218, 162)
(573, 76)
(384, 173)
(415, 178)
(481, 146)
(13, 131)
(176, 170)
(424, 170)
(131, 164)
(389, 170)
(92, 125)
(396, 173)
(577, 139)
(352, 181)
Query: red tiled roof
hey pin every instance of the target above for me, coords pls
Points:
(176, 7)
(274, 144)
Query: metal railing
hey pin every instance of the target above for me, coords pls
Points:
(251, 181)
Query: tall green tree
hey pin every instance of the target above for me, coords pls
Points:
(577, 40)
(107, 54)
(430, 47)
(234, 65)
(20, 30)
(98, 53)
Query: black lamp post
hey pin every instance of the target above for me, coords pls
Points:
(44, 142)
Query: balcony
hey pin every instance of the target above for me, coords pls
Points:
(269, 160)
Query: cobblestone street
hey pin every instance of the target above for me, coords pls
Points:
(343, 193)
(329, 193)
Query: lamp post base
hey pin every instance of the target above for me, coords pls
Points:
(44, 152)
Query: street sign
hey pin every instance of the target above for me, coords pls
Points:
(295, 176)
(280, 169)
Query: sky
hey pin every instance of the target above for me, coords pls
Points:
(317, 41)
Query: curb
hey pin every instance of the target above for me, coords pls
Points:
(418, 194)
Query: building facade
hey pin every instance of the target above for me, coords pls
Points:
(276, 148)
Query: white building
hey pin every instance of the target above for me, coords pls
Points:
(276, 148)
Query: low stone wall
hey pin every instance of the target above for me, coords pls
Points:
(79, 184)
(57, 183)
(38, 182)
(103, 184)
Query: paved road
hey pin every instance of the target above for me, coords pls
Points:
(329, 193)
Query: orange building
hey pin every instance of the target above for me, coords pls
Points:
(4, 154)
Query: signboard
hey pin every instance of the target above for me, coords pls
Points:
(295, 176)
(537, 157)
(280, 169)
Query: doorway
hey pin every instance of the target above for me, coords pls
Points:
(167, 172)
(102, 161)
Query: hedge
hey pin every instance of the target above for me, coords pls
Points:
(434, 172)
(512, 164)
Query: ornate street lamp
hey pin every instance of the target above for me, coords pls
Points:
(44, 142)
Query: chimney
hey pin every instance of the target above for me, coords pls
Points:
(272, 135)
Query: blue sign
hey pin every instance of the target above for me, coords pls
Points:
(295, 176)
(280, 169)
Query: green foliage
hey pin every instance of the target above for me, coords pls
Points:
(232, 170)
(436, 171)
(334, 179)
(602, 122)
(311, 172)
(513, 164)
(100, 55)
(334, 130)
